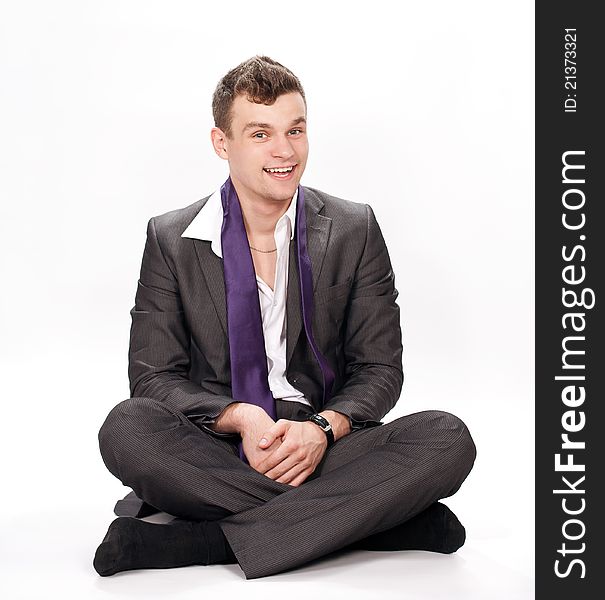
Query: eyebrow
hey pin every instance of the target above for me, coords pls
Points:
(259, 125)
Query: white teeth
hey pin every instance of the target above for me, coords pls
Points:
(283, 170)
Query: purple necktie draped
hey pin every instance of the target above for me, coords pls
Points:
(249, 371)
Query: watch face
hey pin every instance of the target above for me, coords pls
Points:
(322, 422)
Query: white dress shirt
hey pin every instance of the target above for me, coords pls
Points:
(207, 225)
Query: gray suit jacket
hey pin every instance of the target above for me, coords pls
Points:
(179, 348)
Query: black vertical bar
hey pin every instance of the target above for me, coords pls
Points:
(570, 230)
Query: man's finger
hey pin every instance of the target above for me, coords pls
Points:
(283, 468)
(292, 474)
(277, 430)
(273, 460)
(302, 477)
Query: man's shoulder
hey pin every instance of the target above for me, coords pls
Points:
(168, 227)
(176, 221)
(347, 217)
(334, 206)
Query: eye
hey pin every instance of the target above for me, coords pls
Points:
(259, 135)
(296, 131)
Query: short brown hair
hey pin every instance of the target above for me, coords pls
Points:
(261, 79)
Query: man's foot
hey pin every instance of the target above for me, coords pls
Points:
(436, 529)
(134, 544)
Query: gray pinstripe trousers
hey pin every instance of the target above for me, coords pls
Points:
(368, 481)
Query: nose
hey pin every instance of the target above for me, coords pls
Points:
(282, 148)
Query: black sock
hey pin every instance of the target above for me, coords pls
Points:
(134, 544)
(436, 529)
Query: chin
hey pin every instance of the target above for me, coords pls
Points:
(285, 197)
(282, 193)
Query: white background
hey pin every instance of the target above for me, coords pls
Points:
(422, 110)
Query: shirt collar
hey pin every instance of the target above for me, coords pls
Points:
(208, 222)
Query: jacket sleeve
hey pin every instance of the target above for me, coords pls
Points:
(159, 351)
(372, 338)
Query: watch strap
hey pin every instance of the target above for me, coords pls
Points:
(324, 425)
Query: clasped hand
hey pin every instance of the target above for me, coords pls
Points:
(288, 451)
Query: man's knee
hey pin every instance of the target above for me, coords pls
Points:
(128, 418)
(447, 439)
(455, 433)
(459, 448)
(439, 430)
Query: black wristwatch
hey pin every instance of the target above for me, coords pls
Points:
(325, 426)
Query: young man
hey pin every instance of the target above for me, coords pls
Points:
(265, 348)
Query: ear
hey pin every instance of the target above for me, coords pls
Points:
(218, 139)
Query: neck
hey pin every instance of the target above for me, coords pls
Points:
(260, 215)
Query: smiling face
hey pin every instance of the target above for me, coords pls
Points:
(268, 147)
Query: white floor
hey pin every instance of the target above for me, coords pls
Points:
(49, 555)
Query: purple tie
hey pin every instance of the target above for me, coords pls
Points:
(249, 372)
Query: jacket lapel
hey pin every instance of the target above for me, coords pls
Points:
(318, 232)
(212, 271)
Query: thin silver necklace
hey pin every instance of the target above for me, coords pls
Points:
(265, 251)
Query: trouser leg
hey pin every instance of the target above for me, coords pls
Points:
(369, 481)
(179, 468)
